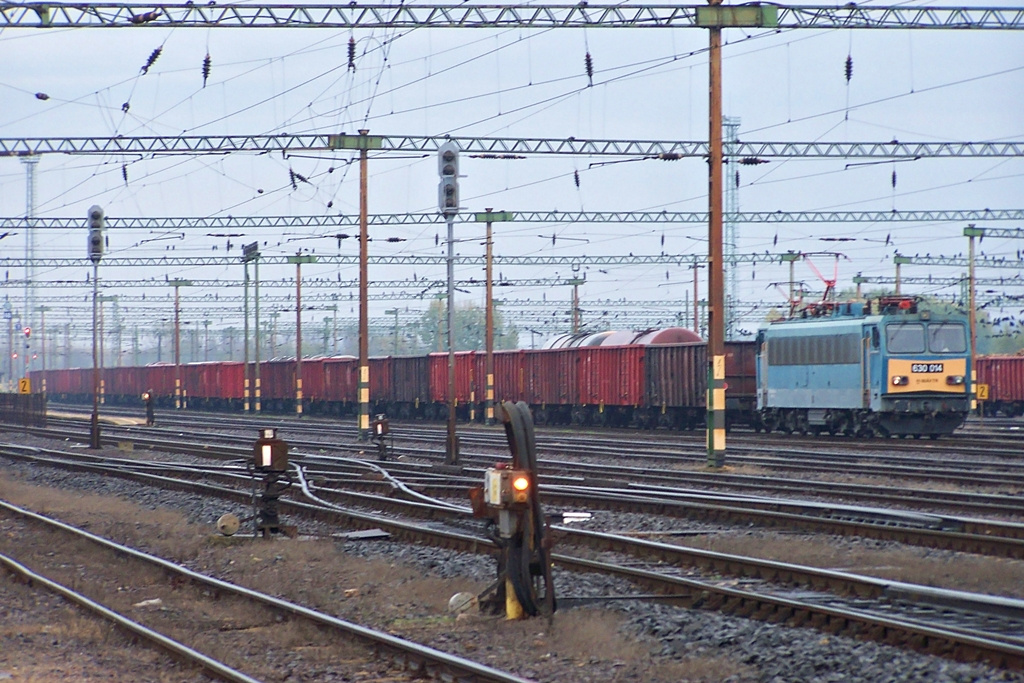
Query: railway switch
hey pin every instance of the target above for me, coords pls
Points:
(516, 523)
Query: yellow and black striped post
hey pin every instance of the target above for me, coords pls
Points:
(716, 411)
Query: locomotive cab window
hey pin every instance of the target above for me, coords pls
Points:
(946, 338)
(904, 338)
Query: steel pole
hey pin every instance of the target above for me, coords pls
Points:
(575, 309)
(452, 447)
(364, 312)
(972, 313)
(696, 311)
(42, 345)
(489, 324)
(245, 336)
(298, 338)
(716, 282)
(94, 424)
(256, 335)
(177, 347)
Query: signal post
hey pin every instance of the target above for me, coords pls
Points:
(97, 221)
(448, 205)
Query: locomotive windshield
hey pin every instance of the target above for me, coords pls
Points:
(905, 338)
(946, 338)
(912, 338)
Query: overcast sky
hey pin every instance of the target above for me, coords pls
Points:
(648, 84)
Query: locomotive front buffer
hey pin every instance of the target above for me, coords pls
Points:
(515, 522)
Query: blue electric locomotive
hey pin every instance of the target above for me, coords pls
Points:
(885, 368)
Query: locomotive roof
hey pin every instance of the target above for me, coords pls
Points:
(857, 320)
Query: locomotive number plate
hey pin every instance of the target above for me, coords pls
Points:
(926, 367)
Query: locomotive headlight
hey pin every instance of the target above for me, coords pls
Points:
(955, 380)
(900, 380)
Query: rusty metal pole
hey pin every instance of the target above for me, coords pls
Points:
(489, 324)
(298, 260)
(364, 324)
(716, 279)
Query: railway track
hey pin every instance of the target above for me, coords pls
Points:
(667, 481)
(961, 625)
(184, 611)
(954, 461)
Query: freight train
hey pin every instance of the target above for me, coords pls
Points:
(890, 369)
(636, 385)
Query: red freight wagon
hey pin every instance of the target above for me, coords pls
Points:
(123, 385)
(551, 384)
(159, 378)
(341, 382)
(380, 383)
(508, 375)
(439, 379)
(277, 379)
(312, 380)
(611, 383)
(222, 383)
(1004, 376)
(410, 377)
(676, 377)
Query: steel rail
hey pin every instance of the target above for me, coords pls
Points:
(643, 481)
(209, 664)
(600, 474)
(413, 656)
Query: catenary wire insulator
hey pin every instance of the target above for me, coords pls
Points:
(151, 60)
(849, 68)
(576, 178)
(206, 68)
(588, 62)
(351, 54)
